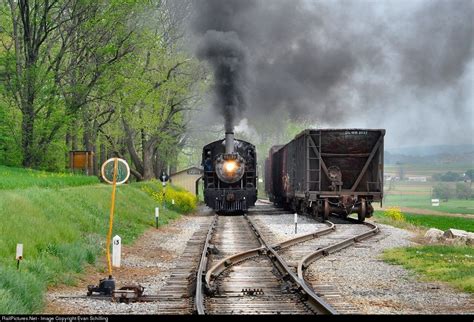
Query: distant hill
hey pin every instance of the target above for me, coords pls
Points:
(431, 154)
(428, 150)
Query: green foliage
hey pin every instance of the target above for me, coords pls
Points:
(454, 265)
(463, 191)
(470, 174)
(125, 52)
(184, 201)
(21, 291)
(449, 176)
(442, 191)
(17, 178)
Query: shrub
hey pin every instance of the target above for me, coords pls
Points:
(184, 201)
(463, 191)
(394, 213)
(442, 191)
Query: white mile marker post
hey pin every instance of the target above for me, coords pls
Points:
(157, 215)
(116, 251)
(296, 223)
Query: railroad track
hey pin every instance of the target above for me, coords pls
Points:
(243, 274)
(236, 265)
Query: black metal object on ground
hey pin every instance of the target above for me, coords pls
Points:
(106, 287)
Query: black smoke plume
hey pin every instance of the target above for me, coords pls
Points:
(343, 63)
(225, 53)
(222, 48)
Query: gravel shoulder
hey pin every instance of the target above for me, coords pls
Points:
(370, 284)
(147, 262)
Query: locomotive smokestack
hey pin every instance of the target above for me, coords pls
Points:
(229, 142)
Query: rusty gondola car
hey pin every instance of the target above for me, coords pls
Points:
(328, 171)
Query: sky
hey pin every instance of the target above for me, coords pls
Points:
(405, 66)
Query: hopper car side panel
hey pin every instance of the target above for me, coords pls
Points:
(331, 170)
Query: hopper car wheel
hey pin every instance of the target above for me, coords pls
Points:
(363, 210)
(326, 209)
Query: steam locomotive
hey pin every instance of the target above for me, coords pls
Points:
(230, 175)
(329, 171)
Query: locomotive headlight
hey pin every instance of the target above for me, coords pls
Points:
(230, 168)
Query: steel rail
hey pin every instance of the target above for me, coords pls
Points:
(223, 264)
(317, 302)
(199, 298)
(310, 258)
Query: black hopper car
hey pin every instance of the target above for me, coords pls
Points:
(230, 175)
(328, 171)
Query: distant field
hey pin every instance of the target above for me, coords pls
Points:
(426, 169)
(16, 178)
(423, 201)
(419, 194)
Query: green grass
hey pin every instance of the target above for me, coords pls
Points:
(454, 265)
(428, 221)
(16, 178)
(455, 206)
(62, 230)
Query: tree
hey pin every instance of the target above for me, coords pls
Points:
(160, 86)
(102, 36)
(463, 191)
(470, 175)
(34, 50)
(442, 191)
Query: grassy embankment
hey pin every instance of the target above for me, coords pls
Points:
(447, 263)
(62, 221)
(411, 221)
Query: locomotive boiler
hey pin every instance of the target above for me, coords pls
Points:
(230, 175)
(328, 171)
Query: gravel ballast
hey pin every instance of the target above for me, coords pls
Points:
(367, 282)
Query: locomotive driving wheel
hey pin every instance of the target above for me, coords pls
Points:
(326, 209)
(362, 211)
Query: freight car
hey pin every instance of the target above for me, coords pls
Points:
(230, 175)
(327, 171)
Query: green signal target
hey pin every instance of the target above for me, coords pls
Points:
(123, 171)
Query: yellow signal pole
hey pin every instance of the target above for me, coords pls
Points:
(111, 219)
